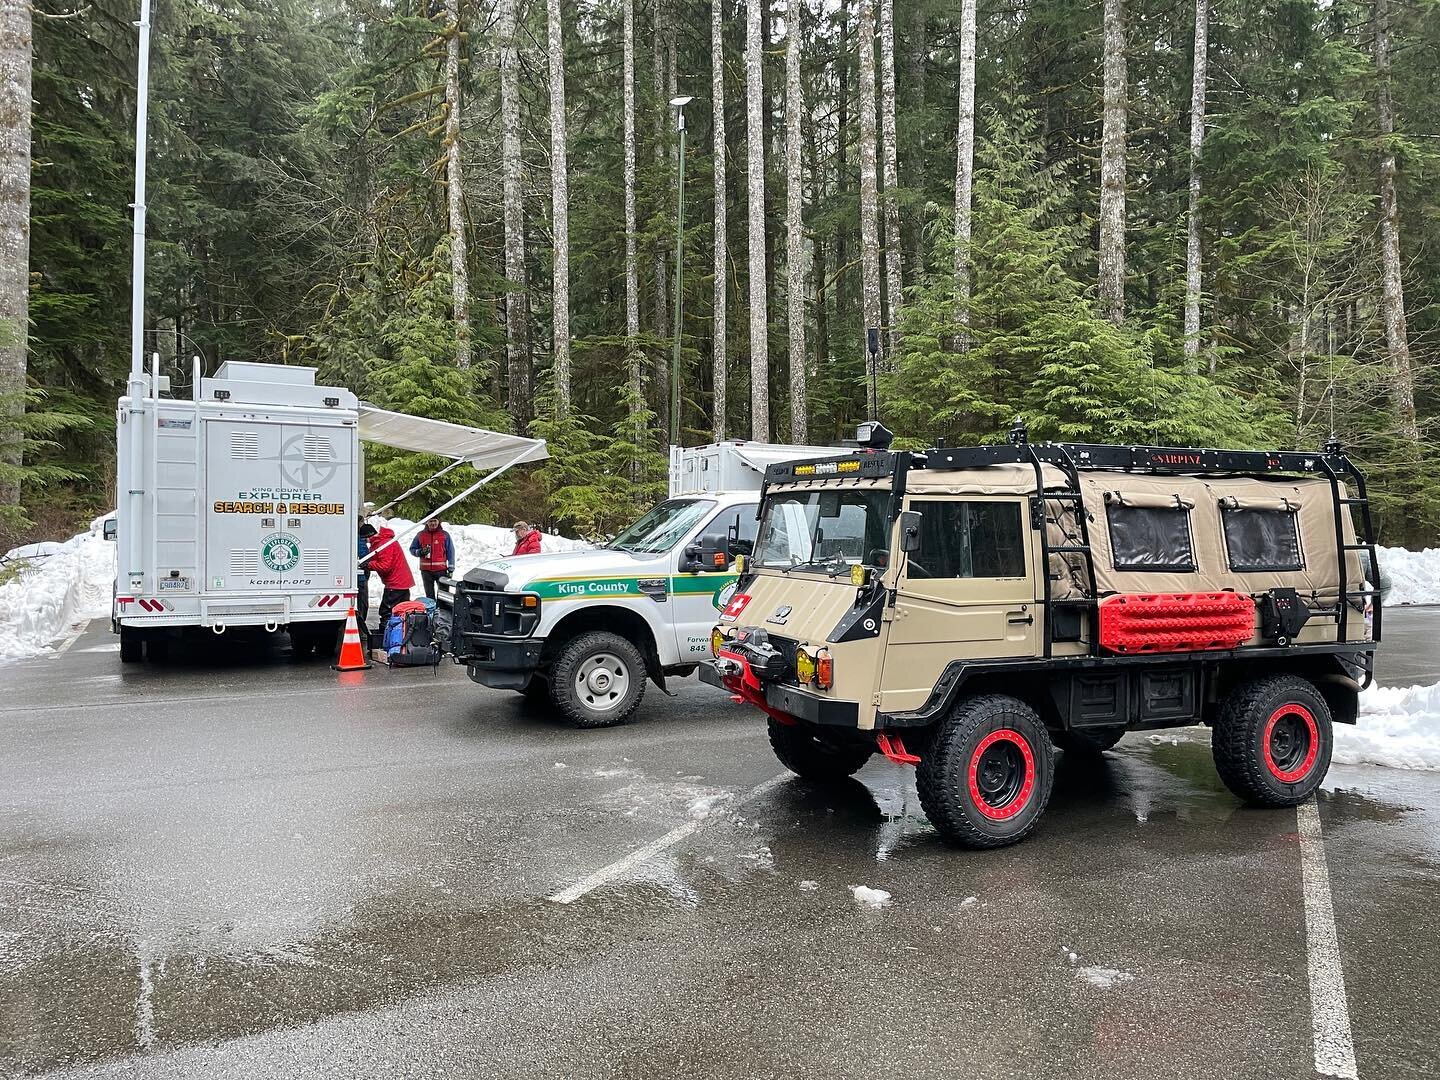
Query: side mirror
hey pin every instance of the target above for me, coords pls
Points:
(709, 552)
(110, 530)
(910, 531)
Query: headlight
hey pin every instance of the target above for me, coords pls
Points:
(717, 641)
(804, 666)
(859, 575)
(824, 669)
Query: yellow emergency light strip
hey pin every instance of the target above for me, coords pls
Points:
(827, 468)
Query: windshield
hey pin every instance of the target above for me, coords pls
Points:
(824, 530)
(661, 529)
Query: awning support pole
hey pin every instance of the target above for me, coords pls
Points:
(421, 486)
(458, 498)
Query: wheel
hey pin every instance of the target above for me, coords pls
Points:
(157, 650)
(1087, 743)
(1272, 740)
(986, 776)
(303, 641)
(537, 689)
(132, 646)
(597, 680)
(805, 754)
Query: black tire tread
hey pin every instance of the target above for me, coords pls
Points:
(562, 678)
(811, 758)
(1233, 741)
(939, 770)
(132, 647)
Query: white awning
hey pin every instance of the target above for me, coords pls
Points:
(481, 448)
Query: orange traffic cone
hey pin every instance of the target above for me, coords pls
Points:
(352, 653)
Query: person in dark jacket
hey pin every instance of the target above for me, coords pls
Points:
(527, 539)
(389, 562)
(362, 581)
(433, 547)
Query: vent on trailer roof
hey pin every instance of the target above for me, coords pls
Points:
(245, 445)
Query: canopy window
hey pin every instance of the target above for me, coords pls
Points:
(1258, 540)
(1150, 537)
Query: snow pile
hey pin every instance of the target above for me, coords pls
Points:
(71, 583)
(1414, 575)
(1399, 727)
(475, 544)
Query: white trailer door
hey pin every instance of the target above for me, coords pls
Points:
(242, 475)
(317, 471)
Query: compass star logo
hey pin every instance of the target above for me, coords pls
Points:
(307, 461)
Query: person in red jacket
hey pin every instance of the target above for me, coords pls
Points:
(387, 560)
(527, 539)
(436, 551)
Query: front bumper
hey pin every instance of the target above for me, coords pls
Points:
(502, 663)
(778, 698)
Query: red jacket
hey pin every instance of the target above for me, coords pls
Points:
(390, 564)
(529, 544)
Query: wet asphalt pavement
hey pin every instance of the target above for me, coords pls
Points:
(246, 867)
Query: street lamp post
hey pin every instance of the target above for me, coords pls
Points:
(678, 103)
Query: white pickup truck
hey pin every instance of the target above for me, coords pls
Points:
(586, 629)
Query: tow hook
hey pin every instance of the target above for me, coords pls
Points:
(727, 668)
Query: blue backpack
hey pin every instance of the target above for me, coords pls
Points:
(410, 636)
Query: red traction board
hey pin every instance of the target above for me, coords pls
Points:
(1133, 623)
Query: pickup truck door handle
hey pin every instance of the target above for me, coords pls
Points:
(1023, 619)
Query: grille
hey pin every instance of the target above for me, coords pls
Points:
(244, 561)
(245, 445)
(315, 561)
(317, 448)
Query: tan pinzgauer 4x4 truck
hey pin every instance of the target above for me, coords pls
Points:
(968, 610)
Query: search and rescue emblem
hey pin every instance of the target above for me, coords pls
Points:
(735, 607)
(280, 552)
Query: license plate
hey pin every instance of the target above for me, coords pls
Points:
(175, 584)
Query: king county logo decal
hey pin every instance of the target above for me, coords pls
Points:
(280, 552)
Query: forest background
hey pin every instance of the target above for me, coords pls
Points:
(1206, 222)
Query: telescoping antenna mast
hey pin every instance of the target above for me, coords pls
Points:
(137, 270)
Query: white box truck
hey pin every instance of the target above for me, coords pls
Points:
(585, 629)
(238, 507)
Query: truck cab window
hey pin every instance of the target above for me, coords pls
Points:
(968, 540)
(736, 521)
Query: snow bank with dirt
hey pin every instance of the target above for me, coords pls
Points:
(56, 587)
(1399, 727)
(1414, 575)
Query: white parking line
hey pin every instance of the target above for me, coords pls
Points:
(75, 636)
(1329, 1012)
(641, 855)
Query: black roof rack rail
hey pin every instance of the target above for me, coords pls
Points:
(1149, 459)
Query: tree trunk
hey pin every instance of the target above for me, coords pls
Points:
(455, 188)
(1197, 138)
(964, 171)
(869, 197)
(891, 169)
(517, 300)
(1112, 167)
(632, 259)
(661, 252)
(755, 209)
(14, 233)
(842, 135)
(718, 339)
(794, 227)
(1392, 288)
(559, 214)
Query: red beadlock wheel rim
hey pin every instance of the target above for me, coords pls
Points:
(1002, 774)
(1292, 743)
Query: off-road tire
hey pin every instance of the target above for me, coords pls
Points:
(1087, 743)
(807, 755)
(1272, 740)
(132, 646)
(1006, 737)
(571, 663)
